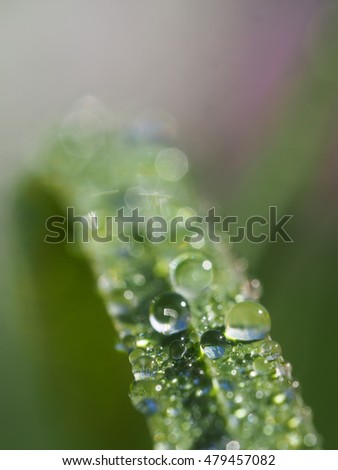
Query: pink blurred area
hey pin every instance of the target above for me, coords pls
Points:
(221, 68)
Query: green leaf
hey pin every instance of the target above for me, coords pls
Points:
(205, 377)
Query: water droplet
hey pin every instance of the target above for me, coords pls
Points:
(190, 274)
(142, 397)
(143, 368)
(200, 392)
(121, 303)
(136, 354)
(279, 398)
(105, 284)
(127, 344)
(270, 349)
(288, 370)
(268, 430)
(294, 440)
(225, 385)
(172, 412)
(213, 344)
(143, 341)
(294, 422)
(233, 445)
(139, 280)
(310, 440)
(261, 366)
(177, 349)
(82, 134)
(194, 337)
(169, 313)
(247, 321)
(238, 399)
(252, 419)
(171, 164)
(241, 413)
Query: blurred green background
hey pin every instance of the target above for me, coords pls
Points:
(254, 88)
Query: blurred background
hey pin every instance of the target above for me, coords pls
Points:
(253, 88)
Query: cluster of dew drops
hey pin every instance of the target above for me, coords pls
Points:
(194, 357)
(236, 354)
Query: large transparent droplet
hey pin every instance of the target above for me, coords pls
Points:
(213, 344)
(169, 313)
(190, 274)
(247, 321)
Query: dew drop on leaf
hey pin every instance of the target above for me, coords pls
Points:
(279, 398)
(169, 313)
(194, 337)
(213, 344)
(247, 321)
(190, 274)
(233, 445)
(143, 368)
(177, 349)
(270, 349)
(127, 343)
(141, 394)
(121, 303)
(225, 385)
(310, 440)
(261, 366)
(136, 354)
